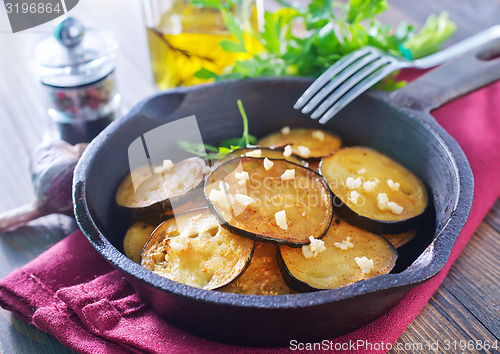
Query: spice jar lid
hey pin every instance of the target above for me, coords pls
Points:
(74, 55)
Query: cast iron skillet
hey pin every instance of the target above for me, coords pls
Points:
(397, 124)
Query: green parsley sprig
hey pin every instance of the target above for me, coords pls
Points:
(211, 152)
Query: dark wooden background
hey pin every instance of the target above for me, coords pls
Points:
(465, 307)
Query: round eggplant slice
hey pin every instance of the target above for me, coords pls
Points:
(374, 192)
(339, 264)
(157, 189)
(136, 237)
(262, 277)
(260, 152)
(193, 200)
(194, 249)
(283, 204)
(305, 142)
(401, 239)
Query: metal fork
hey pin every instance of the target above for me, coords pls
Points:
(358, 71)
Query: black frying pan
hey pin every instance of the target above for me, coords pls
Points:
(397, 124)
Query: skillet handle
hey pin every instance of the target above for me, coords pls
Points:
(476, 69)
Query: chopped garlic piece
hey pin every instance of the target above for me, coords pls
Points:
(221, 197)
(395, 208)
(280, 217)
(314, 248)
(223, 186)
(214, 195)
(361, 171)
(354, 196)
(306, 251)
(352, 183)
(303, 151)
(288, 174)
(340, 245)
(243, 199)
(177, 246)
(382, 201)
(393, 185)
(288, 151)
(242, 177)
(345, 244)
(206, 170)
(365, 264)
(285, 130)
(254, 153)
(268, 164)
(167, 165)
(369, 186)
(318, 134)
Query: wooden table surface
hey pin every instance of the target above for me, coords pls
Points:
(465, 307)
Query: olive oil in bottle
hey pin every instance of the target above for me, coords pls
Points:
(186, 39)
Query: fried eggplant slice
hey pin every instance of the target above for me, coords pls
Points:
(343, 262)
(136, 237)
(157, 187)
(193, 200)
(260, 152)
(262, 277)
(401, 239)
(194, 249)
(282, 203)
(305, 142)
(375, 192)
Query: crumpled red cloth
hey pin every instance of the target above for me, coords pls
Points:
(72, 293)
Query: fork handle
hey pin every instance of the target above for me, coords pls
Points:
(458, 49)
(476, 69)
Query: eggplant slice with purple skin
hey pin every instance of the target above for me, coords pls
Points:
(136, 238)
(375, 192)
(337, 265)
(319, 143)
(283, 203)
(161, 189)
(194, 249)
(401, 239)
(261, 152)
(262, 277)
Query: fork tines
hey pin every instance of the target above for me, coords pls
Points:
(344, 81)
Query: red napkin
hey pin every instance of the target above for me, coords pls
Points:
(72, 293)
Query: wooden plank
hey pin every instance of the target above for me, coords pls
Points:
(22, 99)
(473, 278)
(493, 217)
(442, 321)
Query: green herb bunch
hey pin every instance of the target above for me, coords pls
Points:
(329, 30)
